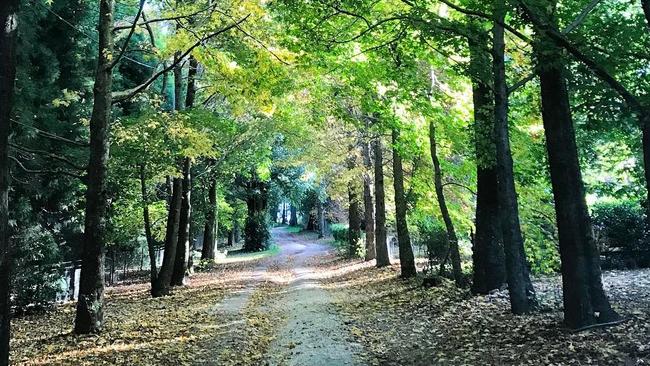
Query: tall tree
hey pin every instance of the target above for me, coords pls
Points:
(208, 252)
(9, 23)
(406, 258)
(90, 306)
(368, 207)
(519, 284)
(585, 302)
(183, 245)
(354, 219)
(381, 245)
(452, 239)
(488, 257)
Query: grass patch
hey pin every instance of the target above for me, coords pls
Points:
(239, 256)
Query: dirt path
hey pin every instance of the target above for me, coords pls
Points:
(313, 333)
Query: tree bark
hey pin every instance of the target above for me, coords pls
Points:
(440, 194)
(406, 258)
(163, 282)
(191, 82)
(581, 275)
(487, 252)
(381, 245)
(151, 247)
(293, 221)
(519, 285)
(354, 220)
(178, 84)
(90, 305)
(321, 219)
(256, 230)
(209, 235)
(9, 20)
(284, 213)
(183, 247)
(369, 214)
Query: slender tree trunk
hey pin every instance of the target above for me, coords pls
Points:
(406, 258)
(147, 224)
(191, 82)
(256, 231)
(293, 221)
(488, 257)
(369, 210)
(645, 4)
(163, 282)
(519, 287)
(381, 245)
(284, 213)
(354, 220)
(451, 232)
(209, 237)
(178, 85)
(183, 247)
(321, 220)
(581, 276)
(90, 305)
(9, 20)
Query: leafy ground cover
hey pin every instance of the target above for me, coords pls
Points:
(401, 322)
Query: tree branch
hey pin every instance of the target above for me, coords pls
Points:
(48, 155)
(55, 172)
(128, 37)
(124, 95)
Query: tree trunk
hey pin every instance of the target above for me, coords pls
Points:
(231, 238)
(487, 252)
(178, 84)
(256, 231)
(406, 258)
(581, 276)
(284, 213)
(449, 225)
(381, 246)
(293, 221)
(369, 214)
(90, 305)
(519, 285)
(354, 220)
(209, 236)
(147, 224)
(321, 219)
(9, 20)
(191, 82)
(645, 4)
(163, 282)
(183, 246)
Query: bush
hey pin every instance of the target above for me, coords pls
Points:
(432, 236)
(619, 226)
(340, 233)
(38, 276)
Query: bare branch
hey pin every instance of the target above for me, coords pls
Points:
(125, 95)
(48, 155)
(55, 172)
(128, 37)
(52, 136)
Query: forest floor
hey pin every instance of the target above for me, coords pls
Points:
(307, 306)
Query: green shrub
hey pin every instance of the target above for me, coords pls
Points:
(619, 224)
(431, 235)
(38, 276)
(340, 232)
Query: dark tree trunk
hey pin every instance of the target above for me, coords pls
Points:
(151, 246)
(256, 231)
(321, 219)
(9, 21)
(191, 82)
(183, 246)
(354, 220)
(440, 194)
(581, 276)
(284, 213)
(381, 245)
(519, 285)
(645, 4)
(178, 84)
(209, 234)
(163, 282)
(406, 258)
(488, 257)
(369, 210)
(231, 238)
(293, 221)
(90, 305)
